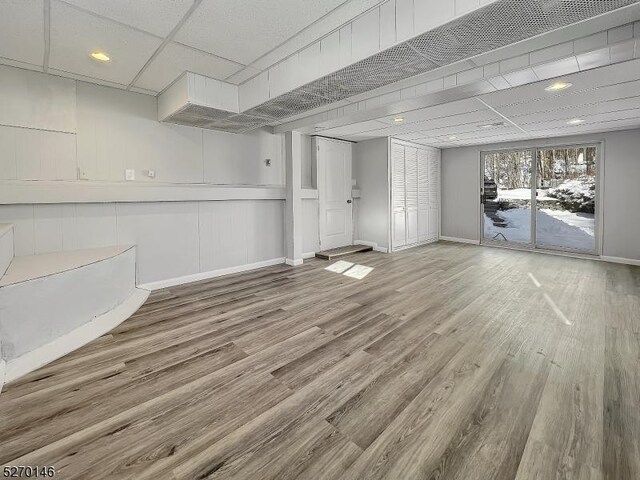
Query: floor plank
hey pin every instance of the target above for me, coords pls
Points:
(446, 361)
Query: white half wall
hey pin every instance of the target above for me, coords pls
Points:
(620, 196)
(174, 239)
(371, 167)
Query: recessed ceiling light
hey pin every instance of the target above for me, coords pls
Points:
(492, 125)
(576, 121)
(398, 119)
(100, 56)
(558, 86)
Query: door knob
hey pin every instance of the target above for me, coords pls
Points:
(349, 201)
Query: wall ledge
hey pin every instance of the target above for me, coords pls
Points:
(81, 191)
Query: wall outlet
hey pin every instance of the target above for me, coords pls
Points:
(82, 174)
(129, 174)
(150, 173)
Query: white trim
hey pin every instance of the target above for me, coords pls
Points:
(375, 246)
(308, 255)
(85, 191)
(73, 340)
(460, 240)
(625, 261)
(414, 245)
(294, 262)
(196, 277)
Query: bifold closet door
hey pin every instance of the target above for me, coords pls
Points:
(434, 194)
(423, 195)
(411, 192)
(398, 207)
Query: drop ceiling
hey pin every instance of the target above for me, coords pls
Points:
(152, 42)
(606, 99)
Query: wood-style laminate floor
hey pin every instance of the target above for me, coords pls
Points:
(445, 362)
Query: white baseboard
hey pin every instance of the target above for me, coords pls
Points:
(626, 261)
(460, 240)
(306, 256)
(375, 246)
(294, 263)
(75, 339)
(196, 277)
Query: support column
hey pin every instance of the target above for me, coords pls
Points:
(293, 208)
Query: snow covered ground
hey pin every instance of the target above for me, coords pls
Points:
(521, 194)
(555, 228)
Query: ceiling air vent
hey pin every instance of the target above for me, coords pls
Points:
(198, 101)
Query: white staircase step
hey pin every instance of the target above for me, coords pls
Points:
(51, 304)
(6, 247)
(30, 267)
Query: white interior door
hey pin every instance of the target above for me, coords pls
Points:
(334, 193)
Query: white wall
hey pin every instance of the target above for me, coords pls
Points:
(370, 165)
(620, 198)
(61, 129)
(310, 234)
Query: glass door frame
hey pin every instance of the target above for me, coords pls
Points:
(533, 246)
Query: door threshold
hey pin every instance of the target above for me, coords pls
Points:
(343, 251)
(561, 253)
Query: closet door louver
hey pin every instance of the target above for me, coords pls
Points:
(423, 195)
(398, 192)
(434, 194)
(411, 189)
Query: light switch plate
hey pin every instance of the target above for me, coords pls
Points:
(129, 174)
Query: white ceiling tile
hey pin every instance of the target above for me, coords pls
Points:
(620, 34)
(520, 77)
(592, 42)
(429, 14)
(75, 34)
(154, 16)
(622, 51)
(551, 53)
(565, 66)
(175, 59)
(22, 30)
(404, 20)
(388, 24)
(243, 30)
(365, 35)
(596, 58)
(243, 75)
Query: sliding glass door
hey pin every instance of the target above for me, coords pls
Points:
(542, 198)
(507, 197)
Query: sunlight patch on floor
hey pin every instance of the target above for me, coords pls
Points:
(350, 269)
(339, 267)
